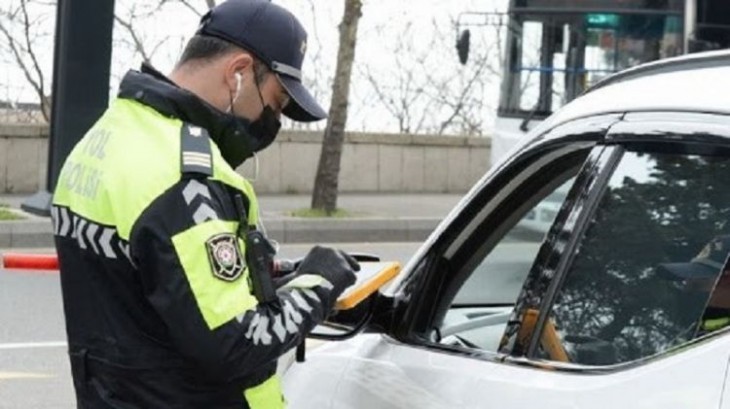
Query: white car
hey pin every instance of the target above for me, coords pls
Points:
(619, 301)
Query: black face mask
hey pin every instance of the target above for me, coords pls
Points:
(246, 138)
(235, 140)
(264, 129)
(240, 139)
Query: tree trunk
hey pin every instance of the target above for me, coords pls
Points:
(328, 170)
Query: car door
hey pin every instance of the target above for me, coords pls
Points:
(372, 378)
(500, 310)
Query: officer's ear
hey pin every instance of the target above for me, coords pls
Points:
(237, 67)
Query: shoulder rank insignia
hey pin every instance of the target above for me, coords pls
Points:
(195, 150)
(225, 257)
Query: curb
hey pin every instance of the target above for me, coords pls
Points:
(26, 233)
(350, 230)
(36, 233)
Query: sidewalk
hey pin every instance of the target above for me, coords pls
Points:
(373, 218)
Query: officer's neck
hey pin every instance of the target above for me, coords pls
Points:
(197, 79)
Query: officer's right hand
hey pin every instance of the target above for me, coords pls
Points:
(333, 265)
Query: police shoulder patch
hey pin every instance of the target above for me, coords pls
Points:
(225, 257)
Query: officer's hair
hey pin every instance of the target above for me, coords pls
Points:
(202, 48)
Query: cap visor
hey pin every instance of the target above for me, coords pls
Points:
(302, 107)
(683, 271)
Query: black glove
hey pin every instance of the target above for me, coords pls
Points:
(333, 265)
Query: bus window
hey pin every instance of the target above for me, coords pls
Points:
(556, 56)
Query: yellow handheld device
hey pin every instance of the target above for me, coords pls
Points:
(369, 279)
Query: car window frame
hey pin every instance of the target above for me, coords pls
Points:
(557, 251)
(582, 133)
(674, 132)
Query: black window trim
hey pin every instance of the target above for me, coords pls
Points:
(583, 214)
(701, 128)
(550, 253)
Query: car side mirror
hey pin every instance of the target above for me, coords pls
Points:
(340, 325)
(343, 324)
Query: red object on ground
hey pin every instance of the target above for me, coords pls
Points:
(30, 261)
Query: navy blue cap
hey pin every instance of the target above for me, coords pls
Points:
(276, 38)
(708, 263)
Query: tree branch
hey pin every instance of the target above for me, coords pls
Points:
(138, 44)
(31, 53)
(208, 3)
(382, 96)
(36, 83)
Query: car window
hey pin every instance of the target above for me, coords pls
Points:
(492, 265)
(463, 289)
(479, 312)
(643, 273)
(498, 278)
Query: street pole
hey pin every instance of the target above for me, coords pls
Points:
(80, 91)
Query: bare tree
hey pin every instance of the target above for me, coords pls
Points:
(26, 28)
(137, 38)
(461, 97)
(130, 16)
(328, 170)
(193, 7)
(317, 76)
(399, 89)
(128, 24)
(21, 33)
(425, 91)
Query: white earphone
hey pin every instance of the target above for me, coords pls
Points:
(239, 78)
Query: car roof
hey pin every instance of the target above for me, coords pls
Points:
(691, 83)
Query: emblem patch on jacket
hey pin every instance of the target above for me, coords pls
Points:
(225, 257)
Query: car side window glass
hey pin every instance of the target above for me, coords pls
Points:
(482, 306)
(643, 274)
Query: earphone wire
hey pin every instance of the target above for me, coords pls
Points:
(262, 227)
(255, 168)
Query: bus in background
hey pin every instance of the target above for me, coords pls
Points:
(556, 49)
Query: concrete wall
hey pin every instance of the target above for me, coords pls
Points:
(370, 162)
(23, 157)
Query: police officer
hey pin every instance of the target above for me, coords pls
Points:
(707, 276)
(150, 219)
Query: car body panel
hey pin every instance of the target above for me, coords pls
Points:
(382, 373)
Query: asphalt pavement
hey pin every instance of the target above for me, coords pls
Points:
(371, 218)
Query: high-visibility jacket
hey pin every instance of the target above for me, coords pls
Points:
(714, 324)
(159, 309)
